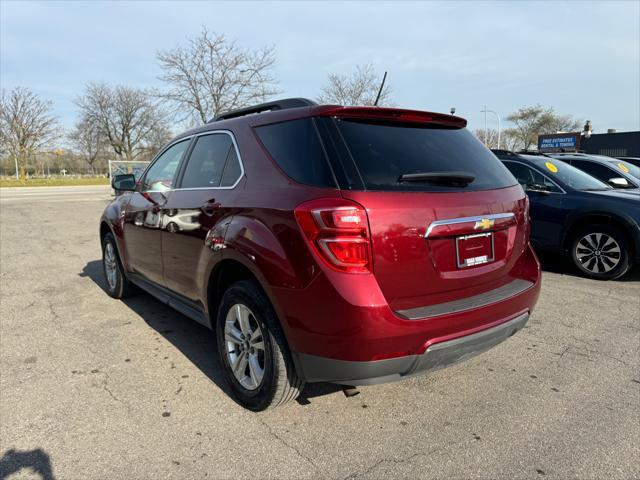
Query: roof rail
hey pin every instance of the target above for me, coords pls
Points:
(265, 107)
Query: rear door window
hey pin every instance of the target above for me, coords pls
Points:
(207, 161)
(383, 152)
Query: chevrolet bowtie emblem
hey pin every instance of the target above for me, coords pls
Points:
(483, 224)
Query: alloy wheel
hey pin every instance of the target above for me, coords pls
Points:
(598, 252)
(110, 266)
(245, 346)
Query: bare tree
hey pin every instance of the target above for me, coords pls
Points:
(529, 122)
(127, 117)
(359, 88)
(491, 134)
(156, 140)
(507, 140)
(26, 125)
(564, 123)
(88, 141)
(212, 75)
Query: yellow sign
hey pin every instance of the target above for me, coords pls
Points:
(483, 224)
(623, 167)
(551, 167)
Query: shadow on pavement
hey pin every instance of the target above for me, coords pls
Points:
(37, 461)
(196, 342)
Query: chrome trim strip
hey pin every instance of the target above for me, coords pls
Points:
(455, 221)
(499, 294)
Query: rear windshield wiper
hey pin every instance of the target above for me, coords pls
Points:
(450, 178)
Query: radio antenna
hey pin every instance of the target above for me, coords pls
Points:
(375, 104)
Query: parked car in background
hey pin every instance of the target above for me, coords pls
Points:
(575, 213)
(613, 171)
(328, 244)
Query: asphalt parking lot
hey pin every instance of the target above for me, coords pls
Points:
(92, 387)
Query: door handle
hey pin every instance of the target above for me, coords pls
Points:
(210, 206)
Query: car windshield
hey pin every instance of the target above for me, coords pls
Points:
(567, 174)
(626, 167)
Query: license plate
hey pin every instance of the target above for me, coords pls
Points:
(476, 249)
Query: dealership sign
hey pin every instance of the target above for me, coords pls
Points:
(559, 142)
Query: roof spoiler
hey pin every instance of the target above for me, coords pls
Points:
(394, 115)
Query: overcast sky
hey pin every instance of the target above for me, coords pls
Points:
(582, 58)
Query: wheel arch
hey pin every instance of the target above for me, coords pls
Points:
(234, 269)
(613, 219)
(224, 274)
(107, 227)
(104, 229)
(231, 269)
(268, 255)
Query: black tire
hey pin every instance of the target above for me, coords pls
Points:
(279, 383)
(601, 260)
(121, 287)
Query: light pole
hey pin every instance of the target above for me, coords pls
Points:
(485, 124)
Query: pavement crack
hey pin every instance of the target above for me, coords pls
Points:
(105, 386)
(398, 461)
(286, 444)
(579, 350)
(612, 357)
(395, 461)
(588, 353)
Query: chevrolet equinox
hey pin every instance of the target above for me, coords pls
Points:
(353, 245)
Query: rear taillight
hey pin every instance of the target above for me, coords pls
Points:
(338, 231)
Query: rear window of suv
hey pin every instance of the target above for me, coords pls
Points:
(383, 152)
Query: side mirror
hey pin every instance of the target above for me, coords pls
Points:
(124, 183)
(619, 182)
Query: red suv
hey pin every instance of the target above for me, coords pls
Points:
(328, 244)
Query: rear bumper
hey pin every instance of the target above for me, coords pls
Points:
(435, 357)
(344, 322)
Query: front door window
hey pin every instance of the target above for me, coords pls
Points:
(161, 175)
